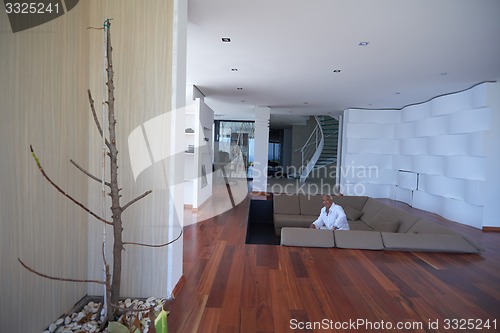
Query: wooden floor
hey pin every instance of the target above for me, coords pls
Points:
(232, 287)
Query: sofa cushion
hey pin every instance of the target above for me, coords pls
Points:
(359, 225)
(352, 213)
(427, 243)
(310, 204)
(287, 220)
(387, 226)
(370, 208)
(424, 226)
(385, 219)
(307, 237)
(407, 220)
(356, 202)
(358, 239)
(286, 204)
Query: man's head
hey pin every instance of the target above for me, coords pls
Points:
(327, 201)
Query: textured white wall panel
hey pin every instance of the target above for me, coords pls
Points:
(367, 161)
(414, 146)
(479, 95)
(433, 165)
(404, 130)
(403, 162)
(370, 130)
(448, 141)
(404, 195)
(366, 174)
(446, 145)
(372, 146)
(466, 167)
(474, 192)
(371, 190)
(469, 121)
(374, 116)
(477, 144)
(428, 202)
(407, 180)
(451, 103)
(415, 112)
(443, 186)
(457, 210)
(431, 126)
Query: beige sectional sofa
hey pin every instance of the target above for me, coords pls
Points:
(374, 226)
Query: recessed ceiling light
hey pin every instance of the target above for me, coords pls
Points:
(234, 69)
(239, 88)
(226, 40)
(363, 43)
(242, 101)
(336, 70)
(305, 103)
(443, 74)
(398, 93)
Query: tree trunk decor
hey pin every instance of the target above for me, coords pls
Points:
(112, 281)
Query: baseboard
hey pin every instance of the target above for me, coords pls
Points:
(178, 286)
(491, 229)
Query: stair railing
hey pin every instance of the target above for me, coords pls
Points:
(311, 150)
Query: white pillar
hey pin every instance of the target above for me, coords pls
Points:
(491, 139)
(261, 143)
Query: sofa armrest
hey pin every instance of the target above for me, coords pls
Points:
(358, 239)
(307, 237)
(427, 243)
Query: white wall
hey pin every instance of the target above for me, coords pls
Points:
(438, 156)
(45, 73)
(142, 38)
(43, 80)
(261, 145)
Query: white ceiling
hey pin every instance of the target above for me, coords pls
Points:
(286, 51)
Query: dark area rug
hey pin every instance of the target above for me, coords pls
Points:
(260, 226)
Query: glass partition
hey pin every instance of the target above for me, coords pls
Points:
(234, 145)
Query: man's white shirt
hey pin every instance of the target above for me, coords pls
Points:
(335, 218)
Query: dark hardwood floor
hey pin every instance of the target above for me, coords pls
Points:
(233, 287)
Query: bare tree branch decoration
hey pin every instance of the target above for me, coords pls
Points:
(63, 192)
(57, 278)
(88, 173)
(113, 281)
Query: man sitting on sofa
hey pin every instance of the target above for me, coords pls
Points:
(331, 217)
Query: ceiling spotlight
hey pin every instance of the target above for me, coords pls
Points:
(398, 93)
(239, 88)
(363, 43)
(226, 40)
(443, 74)
(242, 101)
(305, 103)
(234, 69)
(336, 70)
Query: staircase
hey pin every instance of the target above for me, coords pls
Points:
(330, 127)
(320, 150)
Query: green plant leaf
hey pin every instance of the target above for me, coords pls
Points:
(116, 327)
(161, 322)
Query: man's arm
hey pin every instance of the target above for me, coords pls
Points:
(318, 223)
